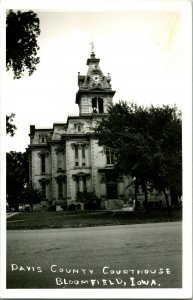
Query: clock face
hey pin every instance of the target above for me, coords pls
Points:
(96, 78)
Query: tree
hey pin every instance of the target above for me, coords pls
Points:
(147, 143)
(31, 194)
(22, 31)
(90, 200)
(168, 158)
(10, 128)
(17, 177)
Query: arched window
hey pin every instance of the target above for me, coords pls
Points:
(94, 102)
(43, 162)
(97, 105)
(84, 184)
(76, 155)
(60, 189)
(79, 127)
(60, 160)
(100, 105)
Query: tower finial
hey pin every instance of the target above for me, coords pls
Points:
(92, 46)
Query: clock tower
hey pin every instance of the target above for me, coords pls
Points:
(67, 161)
(95, 92)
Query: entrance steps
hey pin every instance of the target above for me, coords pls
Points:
(112, 204)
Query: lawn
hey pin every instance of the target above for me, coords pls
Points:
(42, 220)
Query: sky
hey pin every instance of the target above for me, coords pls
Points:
(146, 50)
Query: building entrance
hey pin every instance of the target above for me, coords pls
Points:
(112, 191)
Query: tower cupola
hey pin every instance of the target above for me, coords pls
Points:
(95, 92)
(92, 59)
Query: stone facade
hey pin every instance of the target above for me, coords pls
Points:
(67, 159)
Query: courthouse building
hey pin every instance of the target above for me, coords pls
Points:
(67, 159)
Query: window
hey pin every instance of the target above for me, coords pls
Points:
(59, 157)
(94, 103)
(80, 155)
(84, 184)
(60, 189)
(97, 105)
(100, 105)
(77, 184)
(42, 138)
(79, 127)
(43, 158)
(43, 189)
(76, 155)
(83, 155)
(110, 156)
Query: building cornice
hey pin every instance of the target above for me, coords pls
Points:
(38, 146)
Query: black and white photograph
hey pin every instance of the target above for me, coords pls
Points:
(96, 153)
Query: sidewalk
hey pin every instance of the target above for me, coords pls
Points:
(11, 214)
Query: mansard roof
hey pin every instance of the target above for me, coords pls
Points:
(86, 84)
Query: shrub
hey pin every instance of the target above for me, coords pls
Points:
(90, 200)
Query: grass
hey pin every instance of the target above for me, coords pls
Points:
(45, 220)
